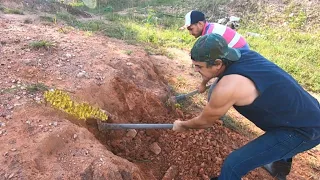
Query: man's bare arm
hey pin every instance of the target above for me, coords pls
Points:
(223, 97)
(231, 90)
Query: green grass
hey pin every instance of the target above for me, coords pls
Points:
(47, 19)
(295, 51)
(291, 47)
(31, 88)
(11, 11)
(41, 44)
(38, 87)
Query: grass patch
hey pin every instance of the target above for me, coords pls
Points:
(48, 19)
(32, 88)
(241, 128)
(39, 87)
(295, 51)
(291, 48)
(41, 44)
(27, 21)
(11, 11)
(128, 52)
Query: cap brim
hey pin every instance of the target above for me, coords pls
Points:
(233, 54)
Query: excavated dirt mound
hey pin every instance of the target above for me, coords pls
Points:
(38, 142)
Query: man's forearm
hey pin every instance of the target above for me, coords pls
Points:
(197, 123)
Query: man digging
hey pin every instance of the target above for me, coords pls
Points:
(266, 95)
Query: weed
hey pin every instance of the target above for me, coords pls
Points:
(27, 21)
(12, 11)
(128, 52)
(39, 87)
(48, 19)
(88, 33)
(32, 88)
(77, 4)
(41, 44)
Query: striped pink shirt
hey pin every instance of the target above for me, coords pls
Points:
(234, 39)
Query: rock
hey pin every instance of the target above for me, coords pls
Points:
(68, 55)
(82, 74)
(129, 64)
(131, 133)
(75, 136)
(11, 175)
(155, 148)
(171, 173)
(2, 124)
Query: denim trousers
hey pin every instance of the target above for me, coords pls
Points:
(275, 145)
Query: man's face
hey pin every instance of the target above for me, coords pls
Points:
(207, 72)
(196, 29)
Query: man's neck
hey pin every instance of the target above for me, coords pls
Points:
(204, 28)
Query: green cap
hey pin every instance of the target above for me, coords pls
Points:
(211, 47)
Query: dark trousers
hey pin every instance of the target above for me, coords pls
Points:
(276, 145)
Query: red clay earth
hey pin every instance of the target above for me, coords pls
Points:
(38, 142)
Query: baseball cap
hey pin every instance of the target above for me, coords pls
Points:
(193, 17)
(211, 47)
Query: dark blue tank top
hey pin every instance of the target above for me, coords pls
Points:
(282, 102)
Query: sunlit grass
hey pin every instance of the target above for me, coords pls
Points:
(295, 51)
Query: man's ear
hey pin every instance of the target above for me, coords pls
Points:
(201, 23)
(218, 62)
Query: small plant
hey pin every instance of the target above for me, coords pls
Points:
(48, 19)
(108, 9)
(177, 105)
(128, 52)
(181, 81)
(27, 21)
(77, 4)
(41, 44)
(88, 33)
(36, 87)
(297, 21)
(12, 11)
(83, 111)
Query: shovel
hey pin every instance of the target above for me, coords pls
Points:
(181, 97)
(109, 126)
(172, 100)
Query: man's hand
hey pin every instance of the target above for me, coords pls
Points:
(202, 88)
(178, 126)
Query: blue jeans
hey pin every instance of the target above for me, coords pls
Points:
(273, 146)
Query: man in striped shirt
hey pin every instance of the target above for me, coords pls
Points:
(197, 25)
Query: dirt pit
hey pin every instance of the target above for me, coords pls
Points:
(39, 142)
